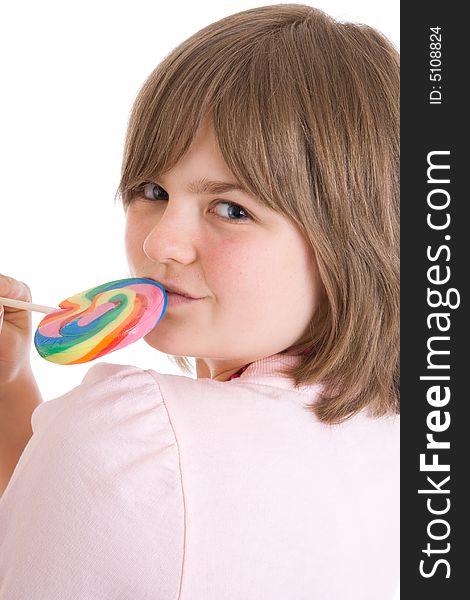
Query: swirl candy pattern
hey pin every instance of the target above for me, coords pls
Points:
(100, 320)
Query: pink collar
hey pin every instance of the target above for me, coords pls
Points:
(290, 352)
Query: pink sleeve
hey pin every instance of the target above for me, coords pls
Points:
(94, 508)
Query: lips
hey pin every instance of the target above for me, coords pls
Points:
(175, 289)
(180, 292)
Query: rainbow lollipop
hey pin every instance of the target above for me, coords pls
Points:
(97, 321)
(100, 320)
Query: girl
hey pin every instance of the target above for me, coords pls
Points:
(260, 187)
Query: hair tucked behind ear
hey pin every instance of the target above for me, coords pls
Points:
(306, 113)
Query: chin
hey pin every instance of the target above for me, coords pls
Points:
(167, 347)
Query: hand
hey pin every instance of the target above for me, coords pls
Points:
(15, 330)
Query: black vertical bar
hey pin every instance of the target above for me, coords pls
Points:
(435, 260)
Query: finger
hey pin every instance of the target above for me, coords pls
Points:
(12, 288)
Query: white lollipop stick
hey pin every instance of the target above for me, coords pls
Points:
(26, 305)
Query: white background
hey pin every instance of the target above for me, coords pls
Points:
(69, 74)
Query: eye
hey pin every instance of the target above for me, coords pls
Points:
(231, 211)
(228, 211)
(152, 191)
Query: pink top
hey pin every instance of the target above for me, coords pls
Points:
(143, 486)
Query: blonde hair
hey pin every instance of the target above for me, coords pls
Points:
(306, 113)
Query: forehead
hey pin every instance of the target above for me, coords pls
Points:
(203, 165)
(202, 149)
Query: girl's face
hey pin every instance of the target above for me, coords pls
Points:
(254, 276)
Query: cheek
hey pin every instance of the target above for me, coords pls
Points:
(252, 281)
(133, 240)
(275, 282)
(235, 269)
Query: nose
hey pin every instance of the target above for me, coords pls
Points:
(171, 238)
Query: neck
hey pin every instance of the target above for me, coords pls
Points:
(213, 368)
(221, 370)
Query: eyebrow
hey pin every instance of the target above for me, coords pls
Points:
(207, 186)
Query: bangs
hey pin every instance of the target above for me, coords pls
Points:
(242, 81)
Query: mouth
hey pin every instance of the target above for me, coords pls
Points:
(179, 292)
(176, 299)
(173, 290)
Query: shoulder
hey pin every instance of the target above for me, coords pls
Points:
(112, 430)
(117, 374)
(113, 405)
(104, 458)
(106, 378)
